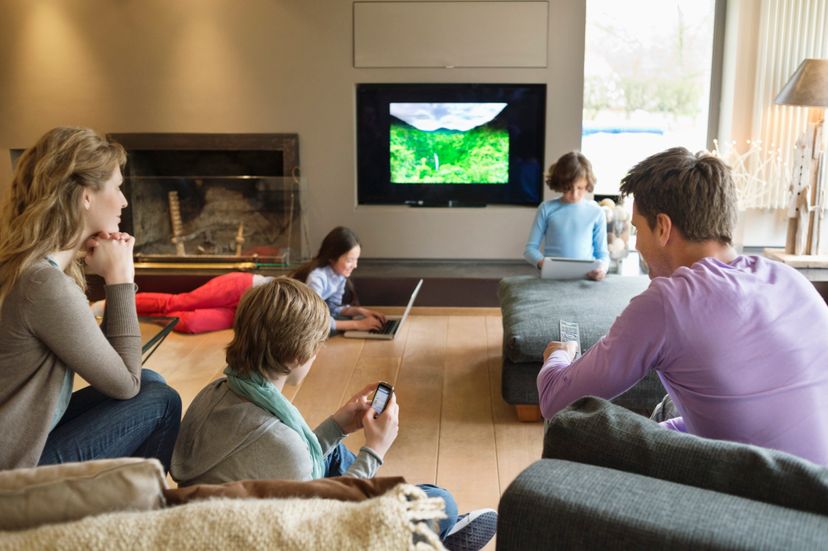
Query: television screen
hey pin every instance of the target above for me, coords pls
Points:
(450, 144)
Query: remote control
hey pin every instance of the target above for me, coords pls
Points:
(571, 332)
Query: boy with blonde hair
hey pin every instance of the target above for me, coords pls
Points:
(242, 427)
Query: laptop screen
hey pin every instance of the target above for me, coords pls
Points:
(410, 304)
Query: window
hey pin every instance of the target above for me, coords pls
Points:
(647, 75)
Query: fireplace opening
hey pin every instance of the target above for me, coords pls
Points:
(213, 199)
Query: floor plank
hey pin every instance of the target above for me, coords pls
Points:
(419, 390)
(467, 440)
(518, 444)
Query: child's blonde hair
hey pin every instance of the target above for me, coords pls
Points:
(280, 324)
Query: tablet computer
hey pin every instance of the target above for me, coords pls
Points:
(567, 268)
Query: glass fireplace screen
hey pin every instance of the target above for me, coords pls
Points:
(253, 219)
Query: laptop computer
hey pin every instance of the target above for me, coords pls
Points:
(567, 268)
(393, 324)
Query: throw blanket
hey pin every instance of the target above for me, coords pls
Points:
(396, 520)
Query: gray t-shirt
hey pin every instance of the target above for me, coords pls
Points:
(47, 328)
(224, 438)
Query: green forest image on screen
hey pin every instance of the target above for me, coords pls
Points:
(448, 143)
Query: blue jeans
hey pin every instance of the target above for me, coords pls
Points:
(96, 426)
(340, 458)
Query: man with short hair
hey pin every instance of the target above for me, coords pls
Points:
(739, 342)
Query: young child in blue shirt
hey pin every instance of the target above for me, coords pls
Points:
(327, 273)
(570, 226)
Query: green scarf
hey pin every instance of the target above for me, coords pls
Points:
(264, 394)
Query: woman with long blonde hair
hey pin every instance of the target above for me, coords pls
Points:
(62, 215)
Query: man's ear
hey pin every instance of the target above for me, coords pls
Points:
(663, 228)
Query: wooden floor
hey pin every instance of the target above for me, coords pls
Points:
(455, 429)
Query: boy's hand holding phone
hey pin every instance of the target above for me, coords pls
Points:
(349, 416)
(380, 432)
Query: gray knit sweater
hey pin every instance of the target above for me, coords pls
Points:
(224, 438)
(46, 327)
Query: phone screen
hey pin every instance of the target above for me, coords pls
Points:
(381, 396)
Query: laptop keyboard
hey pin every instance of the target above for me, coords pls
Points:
(389, 327)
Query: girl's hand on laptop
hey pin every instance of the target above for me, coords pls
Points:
(381, 432)
(366, 313)
(379, 315)
(349, 416)
(367, 323)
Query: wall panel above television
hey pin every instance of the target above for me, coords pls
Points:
(450, 144)
(429, 34)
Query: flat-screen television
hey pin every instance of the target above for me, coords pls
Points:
(450, 144)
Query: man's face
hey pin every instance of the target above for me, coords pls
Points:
(647, 243)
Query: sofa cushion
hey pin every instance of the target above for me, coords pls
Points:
(342, 488)
(597, 432)
(556, 504)
(532, 309)
(391, 521)
(71, 491)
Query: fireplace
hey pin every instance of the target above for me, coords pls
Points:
(213, 200)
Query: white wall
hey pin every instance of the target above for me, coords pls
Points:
(259, 66)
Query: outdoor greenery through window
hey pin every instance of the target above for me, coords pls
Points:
(646, 81)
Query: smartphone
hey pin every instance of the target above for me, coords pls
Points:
(381, 397)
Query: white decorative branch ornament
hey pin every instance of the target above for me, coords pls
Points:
(758, 174)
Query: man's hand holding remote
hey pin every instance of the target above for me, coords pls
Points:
(571, 348)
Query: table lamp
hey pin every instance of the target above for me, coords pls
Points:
(807, 87)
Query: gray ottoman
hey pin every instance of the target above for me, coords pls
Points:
(532, 309)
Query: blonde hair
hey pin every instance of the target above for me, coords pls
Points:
(42, 213)
(279, 324)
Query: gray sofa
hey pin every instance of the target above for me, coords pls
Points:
(614, 479)
(531, 312)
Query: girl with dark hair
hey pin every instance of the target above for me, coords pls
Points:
(212, 306)
(327, 273)
(570, 226)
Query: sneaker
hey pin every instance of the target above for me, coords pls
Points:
(472, 530)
